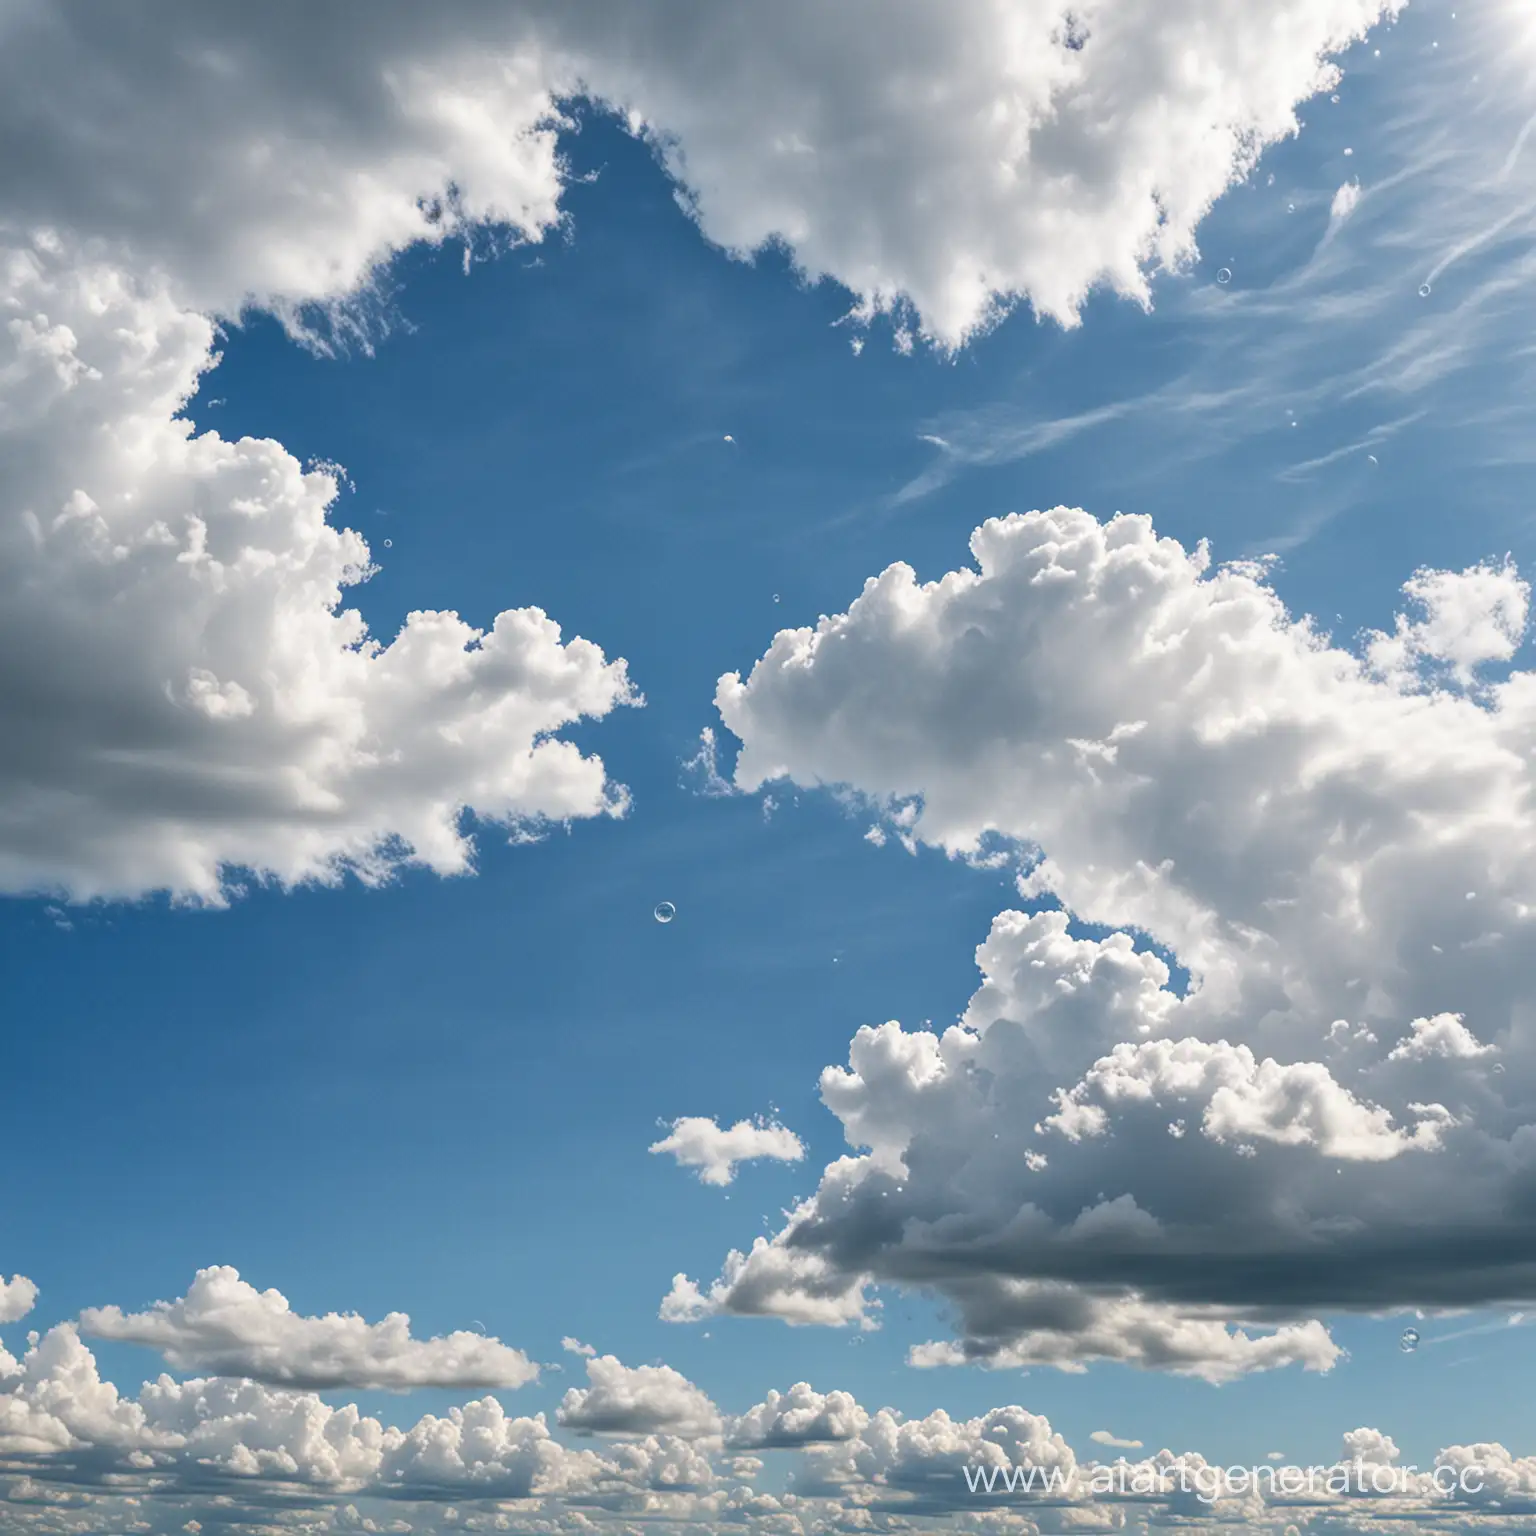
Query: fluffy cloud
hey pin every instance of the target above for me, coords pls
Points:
(186, 694)
(953, 155)
(1443, 1035)
(17, 1296)
(1095, 1162)
(802, 1416)
(1466, 619)
(1298, 1105)
(637, 1400)
(701, 1143)
(225, 1326)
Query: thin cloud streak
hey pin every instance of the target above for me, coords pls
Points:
(1444, 190)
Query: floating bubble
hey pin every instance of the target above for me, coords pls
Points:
(775, 597)
(1423, 290)
(1409, 1341)
(729, 438)
(389, 543)
(1290, 207)
(1372, 457)
(665, 911)
(1498, 1066)
(1224, 275)
(1334, 98)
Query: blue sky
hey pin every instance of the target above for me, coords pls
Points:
(434, 1093)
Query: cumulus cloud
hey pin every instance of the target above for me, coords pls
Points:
(1466, 619)
(1096, 1163)
(17, 1296)
(226, 1327)
(701, 1143)
(637, 1400)
(1295, 1105)
(802, 1416)
(187, 695)
(1444, 1035)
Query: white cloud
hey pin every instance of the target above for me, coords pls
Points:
(802, 1416)
(1104, 1437)
(1299, 1104)
(1173, 757)
(195, 699)
(1444, 1035)
(1043, 158)
(17, 1296)
(637, 1400)
(697, 1142)
(1345, 201)
(1469, 618)
(225, 1326)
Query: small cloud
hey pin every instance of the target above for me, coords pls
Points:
(576, 1347)
(704, 765)
(1103, 1437)
(697, 1142)
(1345, 201)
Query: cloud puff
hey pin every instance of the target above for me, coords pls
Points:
(701, 1143)
(17, 1296)
(1466, 620)
(1320, 841)
(1103, 1437)
(225, 1326)
(1444, 1035)
(637, 1400)
(1344, 203)
(802, 1416)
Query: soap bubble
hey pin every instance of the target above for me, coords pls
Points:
(389, 543)
(775, 597)
(1423, 290)
(1224, 275)
(1372, 457)
(1409, 1341)
(665, 911)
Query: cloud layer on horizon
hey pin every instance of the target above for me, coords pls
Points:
(78, 1456)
